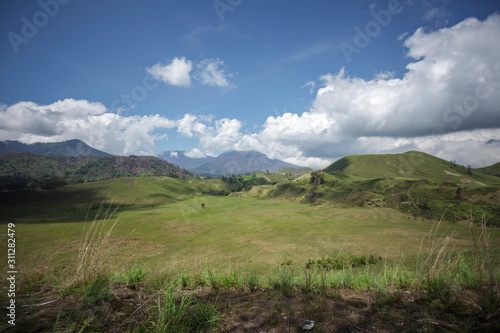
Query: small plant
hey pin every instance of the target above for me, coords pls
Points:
(97, 290)
(252, 281)
(135, 276)
(184, 315)
(231, 280)
(203, 205)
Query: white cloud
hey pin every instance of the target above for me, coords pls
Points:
(311, 86)
(210, 72)
(446, 104)
(195, 153)
(88, 121)
(402, 36)
(213, 135)
(177, 73)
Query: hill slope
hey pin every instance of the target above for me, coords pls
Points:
(18, 170)
(294, 172)
(412, 164)
(493, 170)
(73, 147)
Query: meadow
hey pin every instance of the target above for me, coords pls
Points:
(161, 236)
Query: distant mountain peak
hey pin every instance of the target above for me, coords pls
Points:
(73, 147)
(227, 163)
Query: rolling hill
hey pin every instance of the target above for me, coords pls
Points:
(73, 147)
(413, 165)
(415, 183)
(493, 170)
(294, 172)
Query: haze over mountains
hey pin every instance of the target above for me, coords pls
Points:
(73, 147)
(232, 162)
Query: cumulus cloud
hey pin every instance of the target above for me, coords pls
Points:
(212, 135)
(177, 73)
(209, 72)
(446, 104)
(449, 92)
(88, 121)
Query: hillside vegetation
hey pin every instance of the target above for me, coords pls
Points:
(412, 164)
(491, 170)
(23, 170)
(415, 183)
(157, 253)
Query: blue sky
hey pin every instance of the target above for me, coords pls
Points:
(303, 81)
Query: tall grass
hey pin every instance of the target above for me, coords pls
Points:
(92, 257)
(184, 314)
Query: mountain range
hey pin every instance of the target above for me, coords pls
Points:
(73, 147)
(228, 163)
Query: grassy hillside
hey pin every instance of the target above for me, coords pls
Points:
(490, 170)
(294, 172)
(20, 170)
(420, 198)
(124, 192)
(416, 165)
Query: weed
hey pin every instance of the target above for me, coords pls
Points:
(97, 290)
(184, 315)
(231, 280)
(252, 281)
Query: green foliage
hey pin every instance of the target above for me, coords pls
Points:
(251, 280)
(97, 290)
(184, 315)
(21, 170)
(341, 263)
(135, 276)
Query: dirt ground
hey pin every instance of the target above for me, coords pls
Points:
(261, 310)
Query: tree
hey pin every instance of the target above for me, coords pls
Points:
(469, 170)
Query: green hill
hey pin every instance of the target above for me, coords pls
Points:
(493, 170)
(21, 170)
(294, 172)
(412, 165)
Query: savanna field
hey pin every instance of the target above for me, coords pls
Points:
(258, 253)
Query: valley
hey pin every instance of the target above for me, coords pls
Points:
(359, 225)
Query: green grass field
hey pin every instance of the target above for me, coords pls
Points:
(168, 229)
(160, 254)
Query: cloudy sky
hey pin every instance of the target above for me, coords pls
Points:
(303, 81)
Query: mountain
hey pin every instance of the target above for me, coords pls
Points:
(228, 163)
(178, 157)
(240, 162)
(73, 147)
(20, 170)
(412, 164)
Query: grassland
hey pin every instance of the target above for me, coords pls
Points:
(95, 248)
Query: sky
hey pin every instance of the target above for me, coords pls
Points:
(307, 82)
